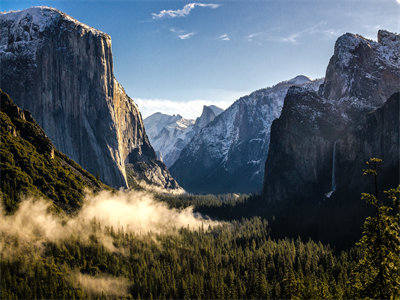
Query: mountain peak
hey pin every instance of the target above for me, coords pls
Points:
(38, 18)
(215, 109)
(299, 79)
(209, 113)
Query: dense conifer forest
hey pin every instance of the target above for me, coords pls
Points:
(250, 249)
(234, 259)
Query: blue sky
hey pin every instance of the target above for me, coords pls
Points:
(175, 56)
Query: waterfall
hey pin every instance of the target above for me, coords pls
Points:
(333, 181)
(333, 188)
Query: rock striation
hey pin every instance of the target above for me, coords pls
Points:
(30, 165)
(228, 155)
(62, 72)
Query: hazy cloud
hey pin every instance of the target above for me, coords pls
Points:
(170, 13)
(188, 109)
(315, 29)
(182, 34)
(224, 37)
(252, 35)
(33, 225)
(186, 35)
(26, 233)
(294, 37)
(101, 285)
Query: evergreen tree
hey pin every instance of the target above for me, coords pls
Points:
(378, 272)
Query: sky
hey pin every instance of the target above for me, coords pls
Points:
(176, 56)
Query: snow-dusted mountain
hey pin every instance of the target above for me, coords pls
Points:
(229, 154)
(170, 134)
(61, 70)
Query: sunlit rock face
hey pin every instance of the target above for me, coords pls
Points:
(351, 110)
(62, 71)
(228, 155)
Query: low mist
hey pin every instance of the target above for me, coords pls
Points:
(26, 232)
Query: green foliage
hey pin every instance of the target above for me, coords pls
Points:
(378, 272)
(31, 166)
(236, 260)
(243, 258)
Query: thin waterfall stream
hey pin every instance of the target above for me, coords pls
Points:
(333, 180)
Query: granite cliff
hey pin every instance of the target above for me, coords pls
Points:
(321, 140)
(62, 72)
(31, 165)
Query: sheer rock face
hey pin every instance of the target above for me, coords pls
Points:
(361, 76)
(300, 151)
(364, 72)
(228, 154)
(62, 71)
(377, 134)
(208, 115)
(170, 134)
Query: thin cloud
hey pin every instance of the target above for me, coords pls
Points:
(251, 36)
(182, 34)
(185, 11)
(224, 37)
(294, 37)
(291, 38)
(174, 30)
(186, 36)
(316, 29)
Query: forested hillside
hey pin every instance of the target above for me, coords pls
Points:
(30, 164)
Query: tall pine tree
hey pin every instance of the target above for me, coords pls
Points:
(378, 272)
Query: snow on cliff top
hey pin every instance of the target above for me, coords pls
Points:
(387, 47)
(42, 17)
(300, 79)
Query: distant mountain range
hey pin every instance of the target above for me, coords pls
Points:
(170, 134)
(62, 72)
(228, 155)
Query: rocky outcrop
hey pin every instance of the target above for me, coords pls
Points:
(62, 71)
(320, 141)
(170, 134)
(228, 155)
(209, 113)
(363, 73)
